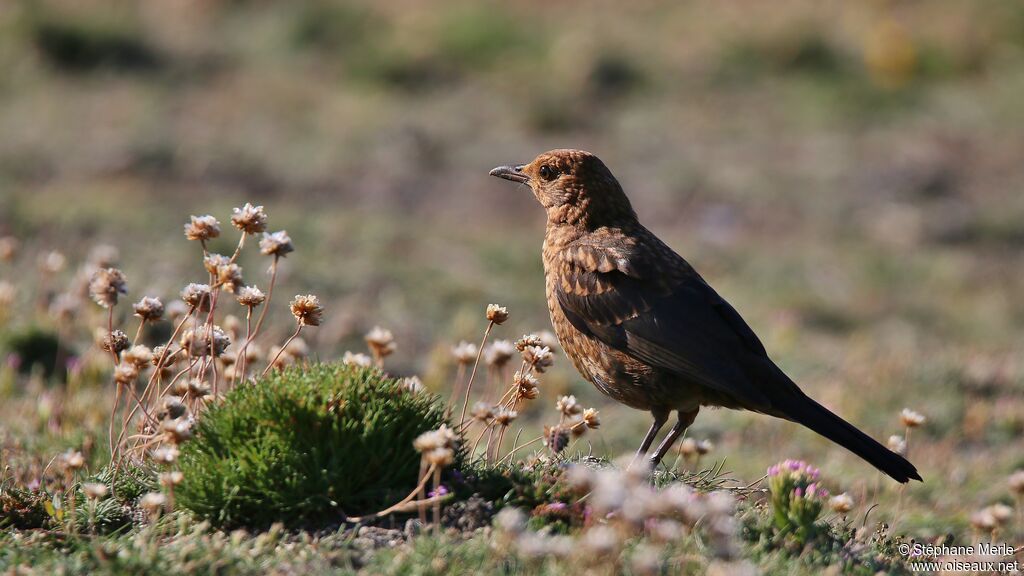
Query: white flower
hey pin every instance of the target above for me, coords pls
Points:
(568, 406)
(841, 503)
(912, 419)
(357, 359)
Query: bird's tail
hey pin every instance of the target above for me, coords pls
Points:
(804, 410)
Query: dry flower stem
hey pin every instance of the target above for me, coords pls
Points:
(424, 477)
(476, 443)
(113, 415)
(138, 332)
(263, 312)
(298, 328)
(472, 375)
(155, 377)
(460, 374)
(240, 358)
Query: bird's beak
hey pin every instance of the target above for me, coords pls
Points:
(513, 173)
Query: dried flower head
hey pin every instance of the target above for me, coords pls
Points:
(177, 430)
(897, 444)
(202, 228)
(498, 353)
(139, 355)
(356, 359)
(171, 479)
(704, 447)
(482, 412)
(526, 385)
(251, 296)
(841, 503)
(198, 388)
(230, 277)
(528, 340)
(149, 309)
(539, 357)
(214, 261)
(165, 455)
(115, 342)
(52, 262)
(126, 373)
(180, 387)
(153, 503)
(170, 358)
(95, 490)
(497, 314)
(381, 341)
(568, 406)
(688, 447)
(443, 437)
(219, 341)
(591, 419)
(556, 438)
(8, 248)
(464, 352)
(912, 419)
(172, 408)
(1001, 512)
(1016, 483)
(196, 296)
(307, 310)
(983, 520)
(504, 416)
(202, 341)
(276, 244)
(576, 426)
(73, 460)
(440, 457)
(105, 286)
(249, 219)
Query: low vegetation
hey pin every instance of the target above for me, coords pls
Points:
(306, 447)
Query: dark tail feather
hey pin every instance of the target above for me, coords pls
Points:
(802, 409)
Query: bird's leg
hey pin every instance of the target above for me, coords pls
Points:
(685, 419)
(660, 417)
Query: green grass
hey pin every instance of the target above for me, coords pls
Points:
(305, 447)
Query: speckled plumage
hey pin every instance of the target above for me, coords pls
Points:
(641, 324)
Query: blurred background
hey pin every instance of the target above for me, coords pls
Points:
(849, 175)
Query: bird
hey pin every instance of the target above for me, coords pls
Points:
(638, 322)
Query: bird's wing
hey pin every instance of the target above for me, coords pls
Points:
(646, 301)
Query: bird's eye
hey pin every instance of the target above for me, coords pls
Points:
(546, 172)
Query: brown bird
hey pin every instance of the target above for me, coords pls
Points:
(645, 328)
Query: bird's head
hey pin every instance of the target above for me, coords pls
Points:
(574, 187)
